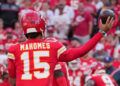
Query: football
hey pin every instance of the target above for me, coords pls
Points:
(105, 14)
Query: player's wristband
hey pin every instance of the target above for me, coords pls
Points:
(102, 32)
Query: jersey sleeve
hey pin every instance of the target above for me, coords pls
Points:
(58, 67)
(11, 62)
(73, 53)
(11, 53)
(60, 49)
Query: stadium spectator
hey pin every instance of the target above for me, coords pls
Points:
(99, 53)
(114, 3)
(20, 2)
(61, 22)
(110, 44)
(3, 55)
(1, 30)
(66, 9)
(117, 48)
(25, 8)
(46, 13)
(51, 32)
(1, 26)
(10, 39)
(19, 32)
(108, 62)
(83, 24)
(117, 10)
(9, 13)
(98, 4)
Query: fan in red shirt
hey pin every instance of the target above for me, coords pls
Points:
(110, 44)
(32, 62)
(10, 39)
(61, 75)
(76, 75)
(82, 23)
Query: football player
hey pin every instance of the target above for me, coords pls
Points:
(87, 64)
(99, 78)
(32, 62)
(61, 75)
(76, 75)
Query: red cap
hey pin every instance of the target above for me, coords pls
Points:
(51, 29)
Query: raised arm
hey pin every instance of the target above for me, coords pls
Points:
(74, 53)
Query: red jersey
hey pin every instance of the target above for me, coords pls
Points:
(33, 62)
(88, 65)
(76, 77)
(7, 43)
(116, 64)
(101, 80)
(62, 67)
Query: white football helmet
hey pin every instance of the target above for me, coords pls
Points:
(74, 65)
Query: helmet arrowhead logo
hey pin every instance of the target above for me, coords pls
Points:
(29, 17)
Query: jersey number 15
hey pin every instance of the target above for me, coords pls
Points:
(25, 57)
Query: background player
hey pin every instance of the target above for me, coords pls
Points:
(99, 78)
(61, 75)
(76, 75)
(32, 62)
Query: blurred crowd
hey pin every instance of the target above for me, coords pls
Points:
(73, 22)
